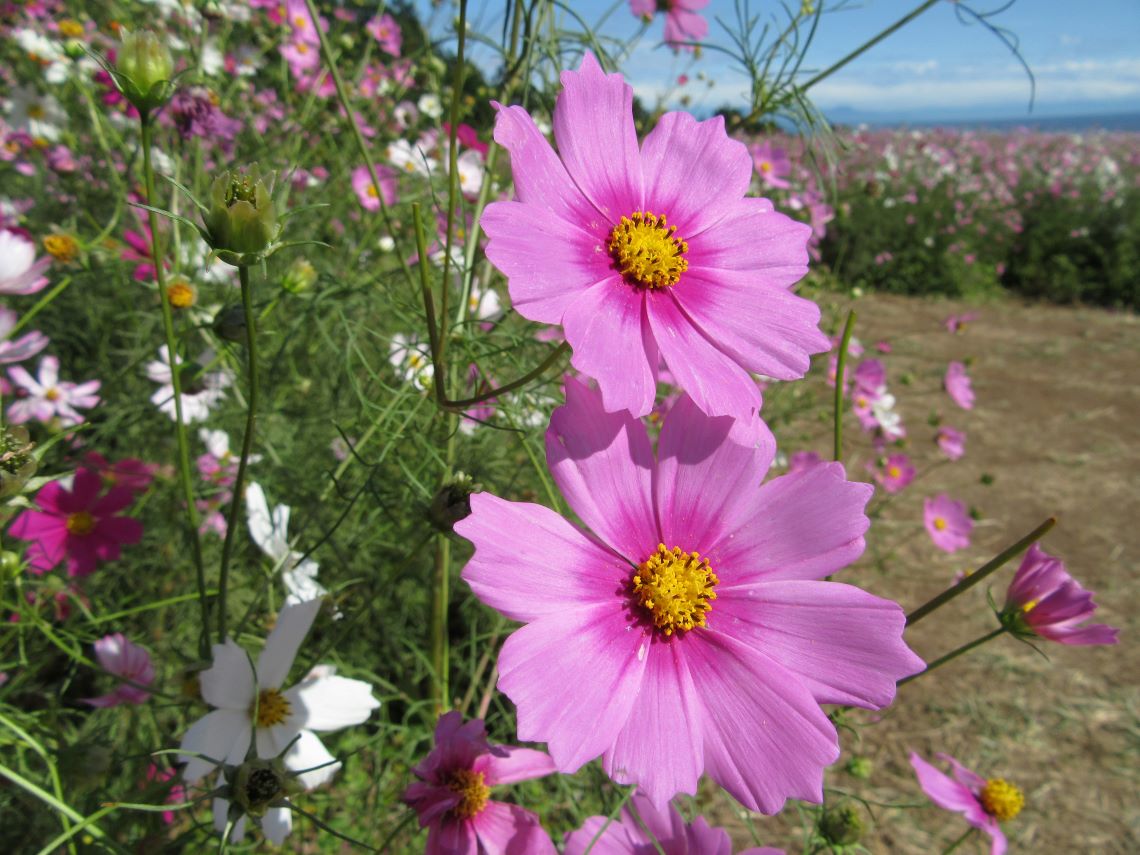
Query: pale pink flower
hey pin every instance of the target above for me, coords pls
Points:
(896, 473)
(650, 252)
(983, 803)
(122, 658)
(25, 347)
(947, 522)
(20, 272)
(386, 31)
(366, 191)
(47, 396)
(772, 164)
(951, 441)
(1045, 600)
(691, 630)
(957, 384)
(681, 23)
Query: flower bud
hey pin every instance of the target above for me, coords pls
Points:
(300, 276)
(17, 464)
(145, 67)
(842, 826)
(452, 502)
(860, 767)
(242, 217)
(229, 324)
(259, 784)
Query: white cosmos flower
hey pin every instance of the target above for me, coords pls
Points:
(270, 531)
(412, 360)
(251, 707)
(199, 397)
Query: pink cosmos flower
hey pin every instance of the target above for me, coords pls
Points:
(386, 32)
(947, 522)
(116, 655)
(366, 191)
(20, 272)
(641, 829)
(1045, 600)
(951, 441)
(175, 794)
(958, 323)
(25, 347)
(650, 252)
(983, 803)
(47, 397)
(801, 460)
(896, 473)
(76, 524)
(453, 793)
(772, 164)
(681, 24)
(690, 630)
(129, 472)
(957, 383)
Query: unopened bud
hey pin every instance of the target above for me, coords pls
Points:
(301, 276)
(259, 784)
(145, 67)
(229, 324)
(242, 218)
(860, 767)
(842, 826)
(452, 502)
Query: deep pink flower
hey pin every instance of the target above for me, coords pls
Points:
(772, 164)
(586, 245)
(366, 191)
(116, 655)
(681, 24)
(76, 524)
(175, 794)
(129, 472)
(896, 473)
(641, 828)
(46, 396)
(947, 522)
(951, 441)
(982, 802)
(20, 272)
(690, 631)
(1045, 600)
(957, 383)
(453, 793)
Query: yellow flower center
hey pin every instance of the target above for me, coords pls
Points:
(939, 524)
(472, 791)
(1030, 606)
(894, 471)
(70, 28)
(61, 247)
(80, 523)
(302, 48)
(1001, 799)
(52, 394)
(675, 588)
(765, 167)
(181, 294)
(646, 251)
(372, 193)
(272, 708)
(35, 111)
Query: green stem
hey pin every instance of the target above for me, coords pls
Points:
(184, 476)
(866, 46)
(981, 573)
(440, 597)
(453, 175)
(953, 654)
(40, 305)
(246, 446)
(464, 403)
(840, 369)
(959, 841)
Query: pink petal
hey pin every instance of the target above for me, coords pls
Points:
(947, 793)
(708, 475)
(603, 464)
(452, 837)
(765, 738)
(753, 237)
(114, 501)
(554, 568)
(597, 141)
(694, 173)
(843, 644)
(509, 765)
(574, 678)
(718, 384)
(84, 488)
(808, 524)
(119, 530)
(509, 828)
(613, 343)
(599, 836)
(659, 749)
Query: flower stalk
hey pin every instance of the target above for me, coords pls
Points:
(954, 654)
(840, 370)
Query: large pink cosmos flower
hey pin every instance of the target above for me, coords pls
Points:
(641, 829)
(947, 522)
(76, 524)
(119, 656)
(453, 793)
(1043, 599)
(958, 386)
(983, 803)
(681, 23)
(689, 631)
(640, 254)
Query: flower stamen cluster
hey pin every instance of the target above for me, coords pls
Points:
(272, 708)
(472, 790)
(676, 588)
(646, 250)
(1001, 799)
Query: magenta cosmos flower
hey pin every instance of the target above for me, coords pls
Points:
(690, 630)
(1045, 600)
(122, 658)
(650, 252)
(896, 474)
(682, 24)
(641, 829)
(951, 441)
(948, 522)
(76, 524)
(772, 164)
(983, 803)
(958, 387)
(453, 794)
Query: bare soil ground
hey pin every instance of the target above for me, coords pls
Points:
(1057, 425)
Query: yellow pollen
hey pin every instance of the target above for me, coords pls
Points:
(80, 523)
(52, 394)
(302, 48)
(181, 294)
(1030, 606)
(472, 791)
(409, 167)
(646, 251)
(1001, 799)
(676, 588)
(765, 167)
(861, 402)
(940, 524)
(372, 191)
(70, 28)
(35, 111)
(894, 471)
(272, 708)
(61, 247)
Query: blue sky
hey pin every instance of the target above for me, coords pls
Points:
(1085, 55)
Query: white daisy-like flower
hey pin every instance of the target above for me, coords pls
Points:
(413, 159)
(250, 707)
(890, 421)
(471, 171)
(270, 531)
(430, 106)
(200, 395)
(412, 360)
(40, 116)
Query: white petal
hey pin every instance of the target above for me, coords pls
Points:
(293, 623)
(276, 824)
(331, 703)
(260, 525)
(307, 754)
(228, 683)
(222, 736)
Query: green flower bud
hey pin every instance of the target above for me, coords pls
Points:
(860, 767)
(301, 276)
(229, 324)
(242, 217)
(17, 464)
(259, 784)
(842, 826)
(145, 67)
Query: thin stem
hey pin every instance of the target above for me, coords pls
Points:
(953, 654)
(464, 403)
(246, 446)
(959, 841)
(40, 305)
(440, 596)
(184, 476)
(453, 176)
(866, 46)
(981, 573)
(840, 369)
